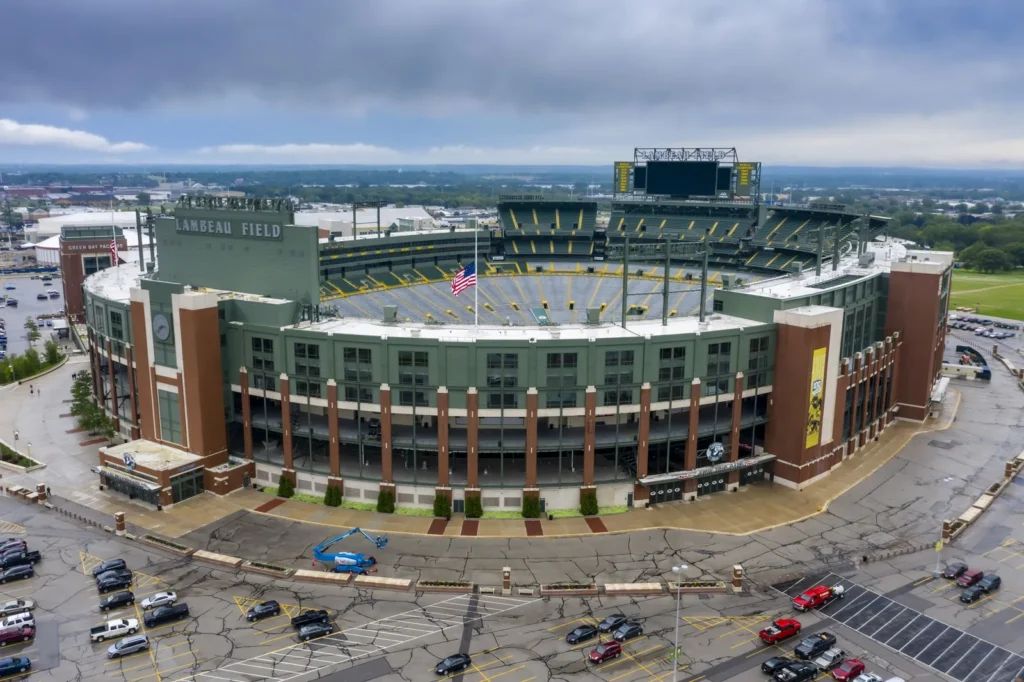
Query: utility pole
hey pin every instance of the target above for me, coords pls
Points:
(704, 277)
(625, 280)
(664, 287)
(837, 245)
(821, 250)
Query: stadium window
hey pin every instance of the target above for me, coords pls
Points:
(220, 314)
(675, 392)
(354, 394)
(116, 325)
(300, 350)
(718, 305)
(405, 359)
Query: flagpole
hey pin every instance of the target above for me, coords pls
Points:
(476, 289)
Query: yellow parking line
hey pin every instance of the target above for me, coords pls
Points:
(922, 581)
(746, 641)
(118, 661)
(664, 675)
(485, 665)
(982, 600)
(157, 673)
(152, 654)
(762, 650)
(586, 619)
(510, 670)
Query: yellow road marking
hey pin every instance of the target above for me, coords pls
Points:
(586, 619)
(8, 528)
(157, 673)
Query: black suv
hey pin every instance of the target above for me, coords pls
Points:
(114, 580)
(611, 623)
(314, 630)
(453, 664)
(165, 614)
(581, 634)
(17, 573)
(116, 601)
(954, 570)
(796, 672)
(112, 565)
(263, 610)
(811, 646)
(311, 616)
(776, 663)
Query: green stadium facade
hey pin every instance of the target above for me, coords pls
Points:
(224, 365)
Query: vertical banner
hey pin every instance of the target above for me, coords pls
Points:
(817, 401)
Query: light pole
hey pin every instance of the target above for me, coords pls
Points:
(679, 571)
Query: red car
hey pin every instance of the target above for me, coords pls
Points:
(849, 669)
(817, 597)
(605, 651)
(21, 633)
(780, 630)
(968, 578)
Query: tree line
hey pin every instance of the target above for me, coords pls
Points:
(989, 246)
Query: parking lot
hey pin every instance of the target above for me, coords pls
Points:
(25, 291)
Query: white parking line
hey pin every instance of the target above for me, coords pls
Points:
(391, 632)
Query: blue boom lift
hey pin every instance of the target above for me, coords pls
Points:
(348, 562)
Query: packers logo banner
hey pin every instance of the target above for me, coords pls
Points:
(817, 401)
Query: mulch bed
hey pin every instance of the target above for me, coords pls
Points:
(272, 504)
(533, 528)
(596, 524)
(437, 527)
(470, 527)
(94, 441)
(74, 431)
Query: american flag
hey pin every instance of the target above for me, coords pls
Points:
(464, 279)
(113, 250)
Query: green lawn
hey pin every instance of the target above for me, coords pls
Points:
(999, 295)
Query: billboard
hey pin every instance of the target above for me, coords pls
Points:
(682, 178)
(746, 176)
(620, 184)
(817, 398)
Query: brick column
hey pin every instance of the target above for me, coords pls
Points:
(333, 446)
(640, 492)
(93, 372)
(733, 480)
(113, 386)
(472, 442)
(132, 398)
(690, 461)
(201, 371)
(149, 418)
(589, 434)
(842, 383)
(855, 375)
(386, 476)
(890, 356)
(243, 381)
(531, 438)
(443, 480)
(288, 470)
(897, 360)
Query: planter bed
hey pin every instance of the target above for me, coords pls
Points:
(168, 545)
(216, 559)
(698, 587)
(444, 586)
(382, 583)
(307, 575)
(268, 569)
(633, 589)
(569, 590)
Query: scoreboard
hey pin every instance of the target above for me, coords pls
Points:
(699, 173)
(623, 170)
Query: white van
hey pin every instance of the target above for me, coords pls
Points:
(17, 620)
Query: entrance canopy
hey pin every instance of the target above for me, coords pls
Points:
(713, 470)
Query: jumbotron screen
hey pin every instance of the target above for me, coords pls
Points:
(682, 178)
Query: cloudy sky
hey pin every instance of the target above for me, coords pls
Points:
(823, 82)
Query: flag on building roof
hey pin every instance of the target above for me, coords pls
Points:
(464, 279)
(113, 251)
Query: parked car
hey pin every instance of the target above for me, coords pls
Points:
(628, 631)
(15, 664)
(776, 663)
(16, 606)
(17, 620)
(21, 572)
(990, 582)
(42, 297)
(310, 616)
(116, 601)
(796, 672)
(971, 594)
(604, 652)
(22, 633)
(112, 565)
(13, 543)
(848, 670)
(970, 577)
(165, 614)
(581, 634)
(817, 596)
(611, 623)
(868, 677)
(158, 599)
(453, 664)
(113, 629)
(780, 630)
(814, 645)
(266, 609)
(954, 570)
(114, 580)
(830, 659)
(127, 646)
(314, 630)
(19, 558)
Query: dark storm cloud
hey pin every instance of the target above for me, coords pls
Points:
(816, 60)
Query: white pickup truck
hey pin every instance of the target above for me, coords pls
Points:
(113, 629)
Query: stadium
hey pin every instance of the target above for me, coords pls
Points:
(702, 341)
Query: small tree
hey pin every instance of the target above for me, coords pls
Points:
(285, 487)
(474, 509)
(32, 330)
(442, 506)
(81, 394)
(51, 353)
(588, 502)
(143, 198)
(332, 497)
(531, 507)
(386, 501)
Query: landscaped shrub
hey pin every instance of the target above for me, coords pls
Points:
(531, 507)
(474, 509)
(285, 487)
(386, 502)
(442, 506)
(588, 502)
(332, 498)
